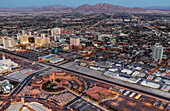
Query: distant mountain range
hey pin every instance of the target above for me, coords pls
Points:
(45, 8)
(86, 8)
(103, 7)
(60, 6)
(158, 7)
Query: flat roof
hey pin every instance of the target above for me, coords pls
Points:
(38, 107)
(57, 59)
(15, 107)
(49, 56)
(25, 109)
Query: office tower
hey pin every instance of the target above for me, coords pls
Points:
(42, 41)
(7, 42)
(24, 39)
(38, 41)
(56, 37)
(157, 52)
(46, 40)
(43, 35)
(18, 36)
(54, 31)
(75, 40)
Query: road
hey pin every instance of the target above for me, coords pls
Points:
(19, 88)
(158, 96)
(25, 82)
(113, 83)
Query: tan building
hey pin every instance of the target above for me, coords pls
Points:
(52, 77)
(75, 41)
(38, 41)
(46, 40)
(60, 75)
(42, 41)
(24, 39)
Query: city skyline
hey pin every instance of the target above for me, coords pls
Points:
(75, 3)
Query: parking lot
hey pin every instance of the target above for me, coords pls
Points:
(126, 104)
(18, 75)
(83, 105)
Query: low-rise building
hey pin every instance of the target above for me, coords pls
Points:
(22, 106)
(5, 86)
(167, 82)
(53, 61)
(150, 77)
(150, 84)
(6, 65)
(113, 70)
(48, 57)
(127, 71)
(165, 88)
(158, 79)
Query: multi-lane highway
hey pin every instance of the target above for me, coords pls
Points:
(158, 96)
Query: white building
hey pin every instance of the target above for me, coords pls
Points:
(54, 31)
(150, 84)
(5, 86)
(7, 42)
(7, 65)
(165, 88)
(48, 57)
(113, 70)
(126, 71)
(157, 52)
(56, 60)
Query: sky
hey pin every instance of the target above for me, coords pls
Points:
(75, 3)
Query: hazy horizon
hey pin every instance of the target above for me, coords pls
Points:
(75, 3)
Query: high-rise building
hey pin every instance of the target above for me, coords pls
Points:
(18, 36)
(46, 40)
(42, 41)
(24, 39)
(157, 52)
(7, 42)
(38, 40)
(54, 31)
(75, 40)
(56, 37)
